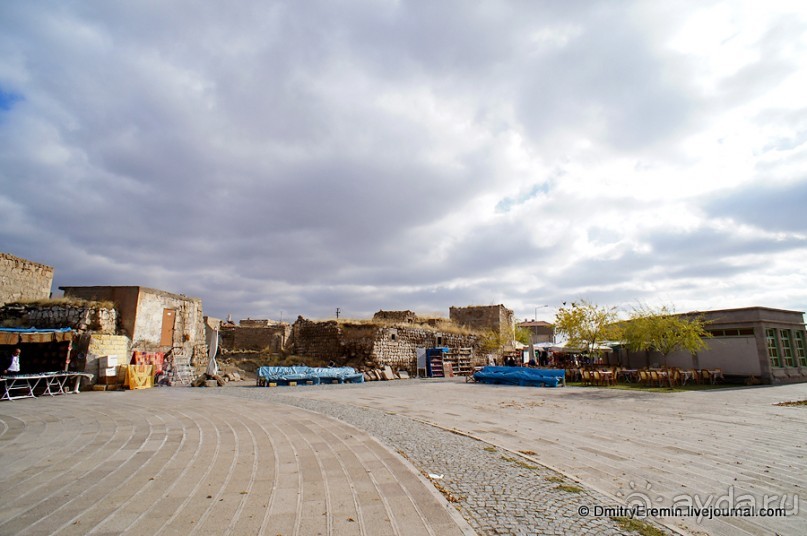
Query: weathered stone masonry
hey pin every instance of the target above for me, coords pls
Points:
(378, 344)
(496, 317)
(81, 317)
(255, 335)
(22, 280)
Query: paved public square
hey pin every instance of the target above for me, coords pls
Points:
(727, 447)
(402, 457)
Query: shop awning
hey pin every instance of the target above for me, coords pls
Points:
(33, 335)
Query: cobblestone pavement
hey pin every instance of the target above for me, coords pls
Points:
(190, 461)
(726, 448)
(497, 491)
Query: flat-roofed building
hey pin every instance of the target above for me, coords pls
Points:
(540, 331)
(761, 342)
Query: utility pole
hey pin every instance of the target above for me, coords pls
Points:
(337, 312)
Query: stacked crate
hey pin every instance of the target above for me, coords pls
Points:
(110, 371)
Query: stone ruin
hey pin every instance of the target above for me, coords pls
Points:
(255, 336)
(376, 344)
(401, 317)
(80, 315)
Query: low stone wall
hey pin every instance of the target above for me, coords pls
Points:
(81, 317)
(261, 339)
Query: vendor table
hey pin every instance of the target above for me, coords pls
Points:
(55, 383)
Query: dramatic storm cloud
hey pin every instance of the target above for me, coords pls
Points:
(303, 156)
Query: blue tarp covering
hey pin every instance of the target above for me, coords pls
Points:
(521, 376)
(314, 374)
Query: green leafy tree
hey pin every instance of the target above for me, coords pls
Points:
(664, 331)
(523, 335)
(587, 326)
(494, 342)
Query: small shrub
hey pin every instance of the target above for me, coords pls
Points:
(569, 488)
(637, 525)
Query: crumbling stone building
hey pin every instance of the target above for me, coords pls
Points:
(375, 344)
(153, 320)
(485, 317)
(401, 317)
(23, 280)
(255, 336)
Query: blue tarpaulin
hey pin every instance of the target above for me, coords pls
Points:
(312, 374)
(521, 376)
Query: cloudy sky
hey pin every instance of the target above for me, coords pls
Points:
(288, 158)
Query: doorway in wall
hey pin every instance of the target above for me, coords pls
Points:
(167, 330)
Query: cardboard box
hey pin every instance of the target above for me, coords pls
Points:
(108, 361)
(108, 372)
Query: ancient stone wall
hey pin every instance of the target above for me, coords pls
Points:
(371, 345)
(397, 347)
(404, 317)
(81, 317)
(357, 342)
(260, 339)
(315, 339)
(484, 317)
(255, 323)
(23, 280)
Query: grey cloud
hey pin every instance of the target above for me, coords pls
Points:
(771, 207)
(239, 153)
(708, 243)
(608, 82)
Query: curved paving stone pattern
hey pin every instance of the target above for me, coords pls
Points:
(189, 461)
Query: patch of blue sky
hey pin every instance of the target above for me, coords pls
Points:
(8, 99)
(506, 204)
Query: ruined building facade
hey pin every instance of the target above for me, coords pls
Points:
(23, 280)
(485, 317)
(373, 344)
(255, 336)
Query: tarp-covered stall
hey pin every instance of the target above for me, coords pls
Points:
(316, 375)
(43, 350)
(521, 376)
(44, 362)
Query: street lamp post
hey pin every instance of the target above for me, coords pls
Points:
(535, 314)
